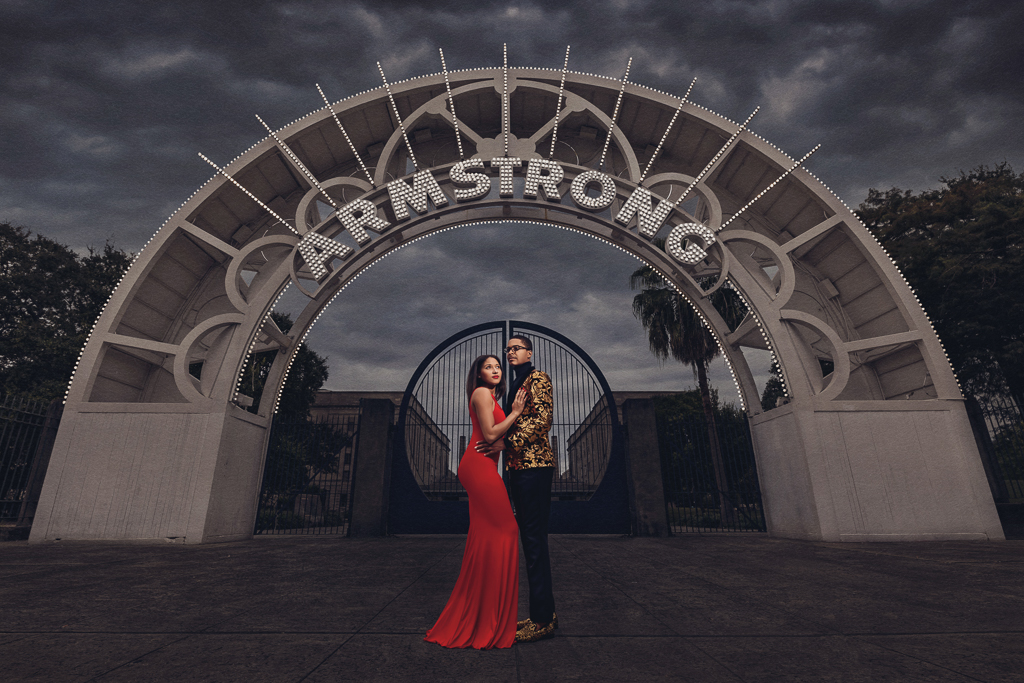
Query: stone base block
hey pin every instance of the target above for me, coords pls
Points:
(873, 471)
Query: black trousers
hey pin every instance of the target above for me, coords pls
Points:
(531, 496)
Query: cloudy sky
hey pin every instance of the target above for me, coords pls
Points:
(105, 104)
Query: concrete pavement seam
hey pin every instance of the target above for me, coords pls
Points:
(135, 659)
(925, 661)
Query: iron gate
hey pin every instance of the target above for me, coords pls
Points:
(706, 488)
(589, 492)
(307, 476)
(21, 424)
(998, 423)
(27, 431)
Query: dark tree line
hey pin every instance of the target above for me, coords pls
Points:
(300, 451)
(50, 297)
(961, 247)
(675, 329)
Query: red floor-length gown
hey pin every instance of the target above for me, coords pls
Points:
(481, 613)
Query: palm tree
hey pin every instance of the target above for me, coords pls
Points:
(674, 328)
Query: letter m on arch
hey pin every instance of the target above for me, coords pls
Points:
(424, 186)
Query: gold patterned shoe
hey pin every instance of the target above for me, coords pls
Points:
(524, 622)
(532, 632)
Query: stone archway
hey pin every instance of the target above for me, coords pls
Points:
(879, 448)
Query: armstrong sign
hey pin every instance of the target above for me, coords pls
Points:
(590, 190)
(147, 449)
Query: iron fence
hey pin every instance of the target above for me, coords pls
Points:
(21, 427)
(707, 491)
(307, 478)
(999, 429)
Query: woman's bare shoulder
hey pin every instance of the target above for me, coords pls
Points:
(481, 394)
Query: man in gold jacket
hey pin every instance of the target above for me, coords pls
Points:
(531, 464)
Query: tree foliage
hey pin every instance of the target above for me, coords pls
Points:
(300, 450)
(299, 453)
(774, 389)
(50, 298)
(961, 247)
(691, 477)
(307, 375)
(674, 328)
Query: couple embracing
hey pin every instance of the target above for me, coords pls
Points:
(481, 612)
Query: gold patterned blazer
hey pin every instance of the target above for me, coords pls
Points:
(526, 441)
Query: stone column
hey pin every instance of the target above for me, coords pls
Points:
(371, 469)
(647, 490)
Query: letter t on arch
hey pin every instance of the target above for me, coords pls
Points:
(543, 175)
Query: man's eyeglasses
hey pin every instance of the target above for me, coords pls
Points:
(514, 349)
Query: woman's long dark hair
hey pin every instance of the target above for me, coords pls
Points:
(473, 380)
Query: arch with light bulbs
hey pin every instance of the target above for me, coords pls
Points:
(871, 441)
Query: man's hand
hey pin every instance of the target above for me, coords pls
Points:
(490, 449)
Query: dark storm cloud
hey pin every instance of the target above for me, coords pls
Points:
(105, 105)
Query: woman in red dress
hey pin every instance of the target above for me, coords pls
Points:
(481, 613)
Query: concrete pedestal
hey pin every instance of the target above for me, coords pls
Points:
(873, 471)
(153, 476)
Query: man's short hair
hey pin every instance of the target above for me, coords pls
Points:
(526, 341)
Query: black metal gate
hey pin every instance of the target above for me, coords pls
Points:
(999, 428)
(589, 493)
(307, 482)
(998, 423)
(21, 425)
(706, 488)
(27, 432)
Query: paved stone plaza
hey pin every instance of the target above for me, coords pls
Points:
(733, 607)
